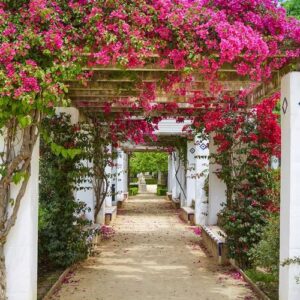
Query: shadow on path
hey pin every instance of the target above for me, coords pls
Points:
(153, 255)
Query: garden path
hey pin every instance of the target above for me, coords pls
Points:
(153, 255)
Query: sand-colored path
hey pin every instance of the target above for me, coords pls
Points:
(153, 255)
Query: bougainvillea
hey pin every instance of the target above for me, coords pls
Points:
(246, 140)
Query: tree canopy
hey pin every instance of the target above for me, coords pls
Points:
(292, 8)
(149, 162)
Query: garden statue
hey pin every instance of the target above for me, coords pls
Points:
(142, 183)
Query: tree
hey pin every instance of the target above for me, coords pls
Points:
(292, 8)
(149, 162)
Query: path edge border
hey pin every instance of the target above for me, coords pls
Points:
(59, 282)
(253, 285)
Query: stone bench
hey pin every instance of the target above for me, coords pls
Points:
(110, 214)
(121, 202)
(214, 239)
(187, 214)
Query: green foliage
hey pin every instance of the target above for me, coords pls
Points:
(292, 8)
(133, 191)
(135, 184)
(151, 181)
(267, 282)
(266, 253)
(62, 238)
(148, 162)
(161, 191)
(133, 180)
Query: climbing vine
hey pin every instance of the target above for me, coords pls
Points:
(64, 240)
(246, 141)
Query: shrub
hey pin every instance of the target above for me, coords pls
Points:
(63, 238)
(133, 180)
(161, 191)
(151, 181)
(266, 253)
(133, 191)
(134, 185)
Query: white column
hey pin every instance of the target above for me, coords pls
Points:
(108, 199)
(73, 111)
(182, 184)
(202, 164)
(191, 174)
(111, 174)
(173, 178)
(170, 173)
(217, 188)
(290, 187)
(120, 176)
(125, 174)
(84, 192)
(21, 246)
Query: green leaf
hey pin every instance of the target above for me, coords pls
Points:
(25, 121)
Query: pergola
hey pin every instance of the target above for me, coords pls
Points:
(109, 84)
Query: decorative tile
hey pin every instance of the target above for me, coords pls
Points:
(285, 105)
(192, 150)
(203, 146)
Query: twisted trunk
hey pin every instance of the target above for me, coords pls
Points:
(2, 273)
(14, 162)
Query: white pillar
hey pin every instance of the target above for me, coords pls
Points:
(21, 246)
(170, 166)
(217, 188)
(121, 173)
(201, 171)
(125, 172)
(72, 111)
(290, 187)
(182, 183)
(84, 192)
(111, 180)
(191, 174)
(173, 178)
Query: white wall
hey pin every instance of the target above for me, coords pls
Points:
(21, 246)
(290, 185)
(125, 172)
(87, 194)
(217, 188)
(191, 174)
(121, 187)
(170, 174)
(202, 164)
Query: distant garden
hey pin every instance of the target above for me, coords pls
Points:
(154, 165)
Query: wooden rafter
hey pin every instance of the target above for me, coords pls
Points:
(109, 84)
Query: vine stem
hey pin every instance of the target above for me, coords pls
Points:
(2, 273)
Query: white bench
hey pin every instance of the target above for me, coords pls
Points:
(214, 239)
(187, 214)
(121, 202)
(110, 214)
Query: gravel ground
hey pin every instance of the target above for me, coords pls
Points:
(153, 255)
